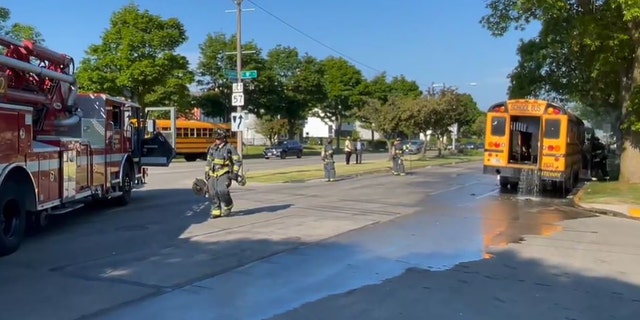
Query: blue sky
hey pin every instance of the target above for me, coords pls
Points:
(426, 40)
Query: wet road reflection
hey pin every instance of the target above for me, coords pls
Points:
(447, 231)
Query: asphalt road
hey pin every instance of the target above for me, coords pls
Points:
(440, 243)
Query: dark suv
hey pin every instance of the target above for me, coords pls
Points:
(283, 149)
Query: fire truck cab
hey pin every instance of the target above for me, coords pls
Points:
(60, 149)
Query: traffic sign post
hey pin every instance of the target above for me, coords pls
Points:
(238, 121)
(237, 99)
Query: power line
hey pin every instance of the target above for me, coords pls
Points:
(314, 39)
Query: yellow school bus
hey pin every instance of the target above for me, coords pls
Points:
(534, 134)
(194, 137)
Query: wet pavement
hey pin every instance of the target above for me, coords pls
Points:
(440, 243)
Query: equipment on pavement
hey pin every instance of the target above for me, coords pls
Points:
(199, 187)
(60, 148)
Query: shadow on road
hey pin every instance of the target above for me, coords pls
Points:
(507, 286)
(265, 209)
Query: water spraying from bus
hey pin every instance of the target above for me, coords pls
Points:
(530, 183)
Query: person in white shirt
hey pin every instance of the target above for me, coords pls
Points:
(348, 150)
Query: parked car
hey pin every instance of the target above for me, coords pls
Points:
(414, 146)
(283, 149)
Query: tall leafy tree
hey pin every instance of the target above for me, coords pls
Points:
(138, 56)
(587, 52)
(217, 59)
(342, 81)
(297, 85)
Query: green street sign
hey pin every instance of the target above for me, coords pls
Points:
(249, 74)
(231, 74)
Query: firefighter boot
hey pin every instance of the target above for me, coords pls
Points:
(227, 211)
(216, 212)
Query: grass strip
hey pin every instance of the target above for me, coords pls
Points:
(611, 193)
(313, 172)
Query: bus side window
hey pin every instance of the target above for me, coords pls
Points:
(552, 129)
(192, 132)
(498, 126)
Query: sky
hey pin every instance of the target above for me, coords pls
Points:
(426, 40)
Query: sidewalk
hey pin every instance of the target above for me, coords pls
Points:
(618, 209)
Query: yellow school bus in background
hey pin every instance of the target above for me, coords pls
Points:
(193, 137)
(526, 134)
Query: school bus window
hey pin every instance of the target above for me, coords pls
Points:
(552, 129)
(498, 126)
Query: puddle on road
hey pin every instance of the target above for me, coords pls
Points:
(508, 221)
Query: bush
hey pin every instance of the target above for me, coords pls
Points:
(377, 145)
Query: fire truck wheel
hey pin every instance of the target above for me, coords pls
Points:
(12, 218)
(127, 186)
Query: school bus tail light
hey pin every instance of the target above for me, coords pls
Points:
(552, 148)
(556, 159)
(552, 110)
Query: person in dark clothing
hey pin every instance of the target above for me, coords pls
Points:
(223, 166)
(328, 163)
(599, 158)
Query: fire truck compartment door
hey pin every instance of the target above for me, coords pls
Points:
(157, 151)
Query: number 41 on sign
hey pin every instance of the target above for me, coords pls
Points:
(237, 99)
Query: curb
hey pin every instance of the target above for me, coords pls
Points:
(368, 173)
(612, 213)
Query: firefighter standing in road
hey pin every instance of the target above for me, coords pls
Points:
(397, 154)
(329, 163)
(223, 166)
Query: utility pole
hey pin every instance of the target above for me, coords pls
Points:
(237, 98)
(239, 63)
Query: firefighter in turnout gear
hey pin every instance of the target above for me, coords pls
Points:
(223, 166)
(397, 154)
(329, 164)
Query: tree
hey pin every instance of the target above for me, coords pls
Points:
(469, 111)
(384, 118)
(272, 128)
(586, 52)
(297, 85)
(399, 86)
(342, 81)
(137, 56)
(477, 128)
(18, 31)
(212, 104)
(437, 111)
(214, 64)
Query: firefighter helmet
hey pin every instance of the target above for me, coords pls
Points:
(220, 134)
(199, 187)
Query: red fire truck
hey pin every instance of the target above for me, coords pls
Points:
(60, 149)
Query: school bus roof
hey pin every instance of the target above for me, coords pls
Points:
(524, 106)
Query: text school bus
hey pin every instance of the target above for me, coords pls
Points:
(534, 134)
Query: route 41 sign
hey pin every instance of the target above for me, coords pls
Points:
(238, 121)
